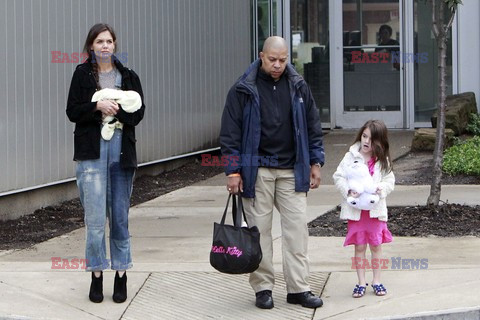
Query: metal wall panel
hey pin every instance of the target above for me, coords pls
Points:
(186, 52)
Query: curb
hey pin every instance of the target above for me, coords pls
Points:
(472, 313)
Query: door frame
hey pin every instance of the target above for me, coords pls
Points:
(281, 16)
(393, 119)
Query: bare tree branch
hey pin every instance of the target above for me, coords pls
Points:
(438, 11)
(435, 30)
(440, 30)
(450, 22)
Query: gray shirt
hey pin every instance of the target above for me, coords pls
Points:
(107, 79)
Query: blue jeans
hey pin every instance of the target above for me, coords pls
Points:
(105, 190)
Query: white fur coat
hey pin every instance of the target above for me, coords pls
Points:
(385, 181)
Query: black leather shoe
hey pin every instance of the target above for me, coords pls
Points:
(264, 299)
(120, 288)
(307, 299)
(96, 288)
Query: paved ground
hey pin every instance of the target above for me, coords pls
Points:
(172, 278)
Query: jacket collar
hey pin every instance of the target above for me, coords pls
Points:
(355, 150)
(294, 77)
(247, 82)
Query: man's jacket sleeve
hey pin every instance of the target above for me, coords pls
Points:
(314, 127)
(231, 132)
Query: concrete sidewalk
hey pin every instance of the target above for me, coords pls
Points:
(172, 277)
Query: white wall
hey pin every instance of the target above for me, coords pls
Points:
(187, 54)
(469, 47)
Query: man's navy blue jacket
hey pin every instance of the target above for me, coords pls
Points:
(240, 132)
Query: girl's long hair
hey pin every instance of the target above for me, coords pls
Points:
(379, 142)
(92, 35)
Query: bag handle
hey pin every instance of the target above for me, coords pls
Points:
(237, 218)
(222, 222)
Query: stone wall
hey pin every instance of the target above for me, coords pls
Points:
(459, 107)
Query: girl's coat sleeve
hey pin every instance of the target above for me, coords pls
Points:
(386, 184)
(339, 178)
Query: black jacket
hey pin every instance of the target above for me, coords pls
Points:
(240, 132)
(81, 111)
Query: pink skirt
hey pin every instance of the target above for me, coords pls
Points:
(367, 231)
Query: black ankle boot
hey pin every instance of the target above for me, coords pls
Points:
(96, 288)
(120, 288)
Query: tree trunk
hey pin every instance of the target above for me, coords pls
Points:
(435, 188)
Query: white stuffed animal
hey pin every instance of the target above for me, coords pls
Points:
(366, 201)
(360, 181)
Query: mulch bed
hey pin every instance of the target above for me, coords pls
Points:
(53, 221)
(446, 220)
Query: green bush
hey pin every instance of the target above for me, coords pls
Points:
(473, 125)
(463, 158)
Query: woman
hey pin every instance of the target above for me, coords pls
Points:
(105, 168)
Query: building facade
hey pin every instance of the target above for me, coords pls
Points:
(189, 52)
(186, 52)
(335, 45)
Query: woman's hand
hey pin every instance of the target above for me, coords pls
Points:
(107, 107)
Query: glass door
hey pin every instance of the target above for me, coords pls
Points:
(372, 63)
(309, 39)
(268, 22)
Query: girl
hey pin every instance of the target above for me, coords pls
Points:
(105, 166)
(368, 227)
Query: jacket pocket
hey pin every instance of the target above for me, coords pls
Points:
(88, 88)
(131, 137)
(82, 144)
(128, 157)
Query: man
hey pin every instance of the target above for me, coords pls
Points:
(388, 45)
(271, 135)
(385, 39)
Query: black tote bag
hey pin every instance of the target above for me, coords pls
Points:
(235, 249)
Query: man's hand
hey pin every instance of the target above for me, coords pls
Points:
(234, 184)
(315, 177)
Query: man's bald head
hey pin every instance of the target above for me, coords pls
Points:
(274, 42)
(274, 56)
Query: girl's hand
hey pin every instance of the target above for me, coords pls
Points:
(379, 191)
(107, 107)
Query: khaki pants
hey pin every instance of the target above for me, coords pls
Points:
(277, 187)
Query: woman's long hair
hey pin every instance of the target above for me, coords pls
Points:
(378, 141)
(92, 35)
